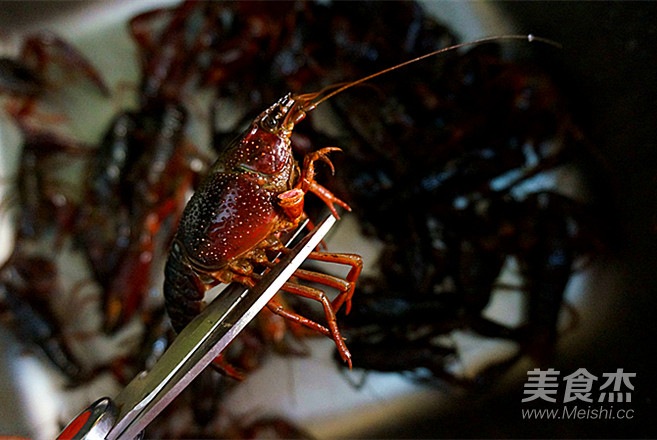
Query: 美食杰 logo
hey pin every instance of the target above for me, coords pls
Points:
(588, 396)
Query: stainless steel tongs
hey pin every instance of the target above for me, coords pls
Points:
(126, 416)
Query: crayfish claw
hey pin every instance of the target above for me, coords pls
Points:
(320, 154)
(345, 355)
(327, 161)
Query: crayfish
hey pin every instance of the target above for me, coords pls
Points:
(24, 78)
(253, 193)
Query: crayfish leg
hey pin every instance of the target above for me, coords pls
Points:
(328, 198)
(223, 366)
(345, 286)
(356, 263)
(280, 310)
(307, 292)
(46, 46)
(307, 181)
(318, 295)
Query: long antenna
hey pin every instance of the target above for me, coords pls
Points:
(530, 38)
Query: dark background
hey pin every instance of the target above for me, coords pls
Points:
(609, 66)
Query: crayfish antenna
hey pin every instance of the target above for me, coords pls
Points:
(340, 87)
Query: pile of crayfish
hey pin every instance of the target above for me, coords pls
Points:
(440, 169)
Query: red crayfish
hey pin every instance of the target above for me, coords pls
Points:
(253, 193)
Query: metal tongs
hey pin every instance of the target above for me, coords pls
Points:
(126, 416)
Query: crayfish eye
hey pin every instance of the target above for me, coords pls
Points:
(269, 123)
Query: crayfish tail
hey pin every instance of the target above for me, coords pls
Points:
(182, 290)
